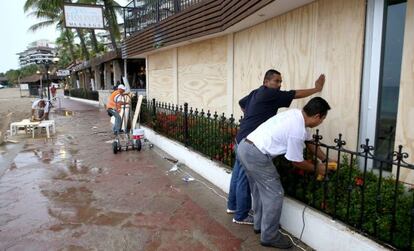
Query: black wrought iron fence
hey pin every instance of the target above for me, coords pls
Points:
(371, 200)
(205, 132)
(139, 14)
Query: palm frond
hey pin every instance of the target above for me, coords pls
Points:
(41, 25)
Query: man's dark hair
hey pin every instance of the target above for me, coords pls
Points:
(269, 74)
(316, 105)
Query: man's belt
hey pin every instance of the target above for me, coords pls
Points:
(248, 141)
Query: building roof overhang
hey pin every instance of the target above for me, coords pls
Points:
(202, 21)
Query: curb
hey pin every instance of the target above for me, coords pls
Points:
(87, 101)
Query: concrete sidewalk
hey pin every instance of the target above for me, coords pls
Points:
(72, 193)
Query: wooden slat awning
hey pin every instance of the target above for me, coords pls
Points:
(111, 55)
(205, 18)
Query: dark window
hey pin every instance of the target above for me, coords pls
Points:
(389, 86)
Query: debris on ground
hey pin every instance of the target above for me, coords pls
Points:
(173, 168)
(188, 178)
(171, 160)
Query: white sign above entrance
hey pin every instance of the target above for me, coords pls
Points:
(63, 73)
(83, 16)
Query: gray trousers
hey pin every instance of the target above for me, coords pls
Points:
(267, 190)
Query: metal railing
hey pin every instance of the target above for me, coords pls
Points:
(139, 14)
(208, 133)
(366, 198)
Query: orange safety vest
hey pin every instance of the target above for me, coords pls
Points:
(111, 100)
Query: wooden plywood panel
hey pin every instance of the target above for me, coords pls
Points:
(203, 86)
(285, 43)
(202, 74)
(293, 48)
(339, 48)
(160, 76)
(161, 85)
(405, 117)
(211, 51)
(249, 62)
(160, 60)
(322, 37)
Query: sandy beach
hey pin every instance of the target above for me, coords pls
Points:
(13, 107)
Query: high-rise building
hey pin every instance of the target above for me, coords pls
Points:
(40, 51)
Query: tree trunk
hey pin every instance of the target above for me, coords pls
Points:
(71, 49)
(94, 41)
(83, 44)
(109, 13)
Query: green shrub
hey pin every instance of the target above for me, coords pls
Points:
(348, 184)
(85, 94)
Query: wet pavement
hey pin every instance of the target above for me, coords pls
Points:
(71, 192)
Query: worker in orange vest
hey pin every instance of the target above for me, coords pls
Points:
(113, 107)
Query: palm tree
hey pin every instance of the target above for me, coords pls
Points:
(67, 52)
(51, 12)
(111, 19)
(112, 22)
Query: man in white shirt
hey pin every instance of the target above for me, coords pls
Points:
(282, 134)
(40, 110)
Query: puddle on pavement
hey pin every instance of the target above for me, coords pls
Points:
(66, 113)
(24, 159)
(75, 169)
(73, 206)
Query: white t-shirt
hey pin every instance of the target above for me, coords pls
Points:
(36, 106)
(284, 133)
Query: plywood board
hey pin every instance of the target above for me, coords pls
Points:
(211, 51)
(137, 111)
(202, 74)
(203, 86)
(160, 60)
(405, 118)
(160, 76)
(339, 53)
(322, 37)
(161, 85)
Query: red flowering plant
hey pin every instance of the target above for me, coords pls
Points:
(359, 181)
(213, 136)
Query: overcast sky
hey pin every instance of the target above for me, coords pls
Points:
(15, 37)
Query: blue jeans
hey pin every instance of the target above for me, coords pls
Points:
(239, 198)
(118, 120)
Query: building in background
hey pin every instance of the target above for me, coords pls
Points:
(105, 38)
(37, 51)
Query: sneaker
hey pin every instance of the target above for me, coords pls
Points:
(282, 243)
(246, 221)
(229, 211)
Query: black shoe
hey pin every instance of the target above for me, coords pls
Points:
(257, 231)
(283, 243)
